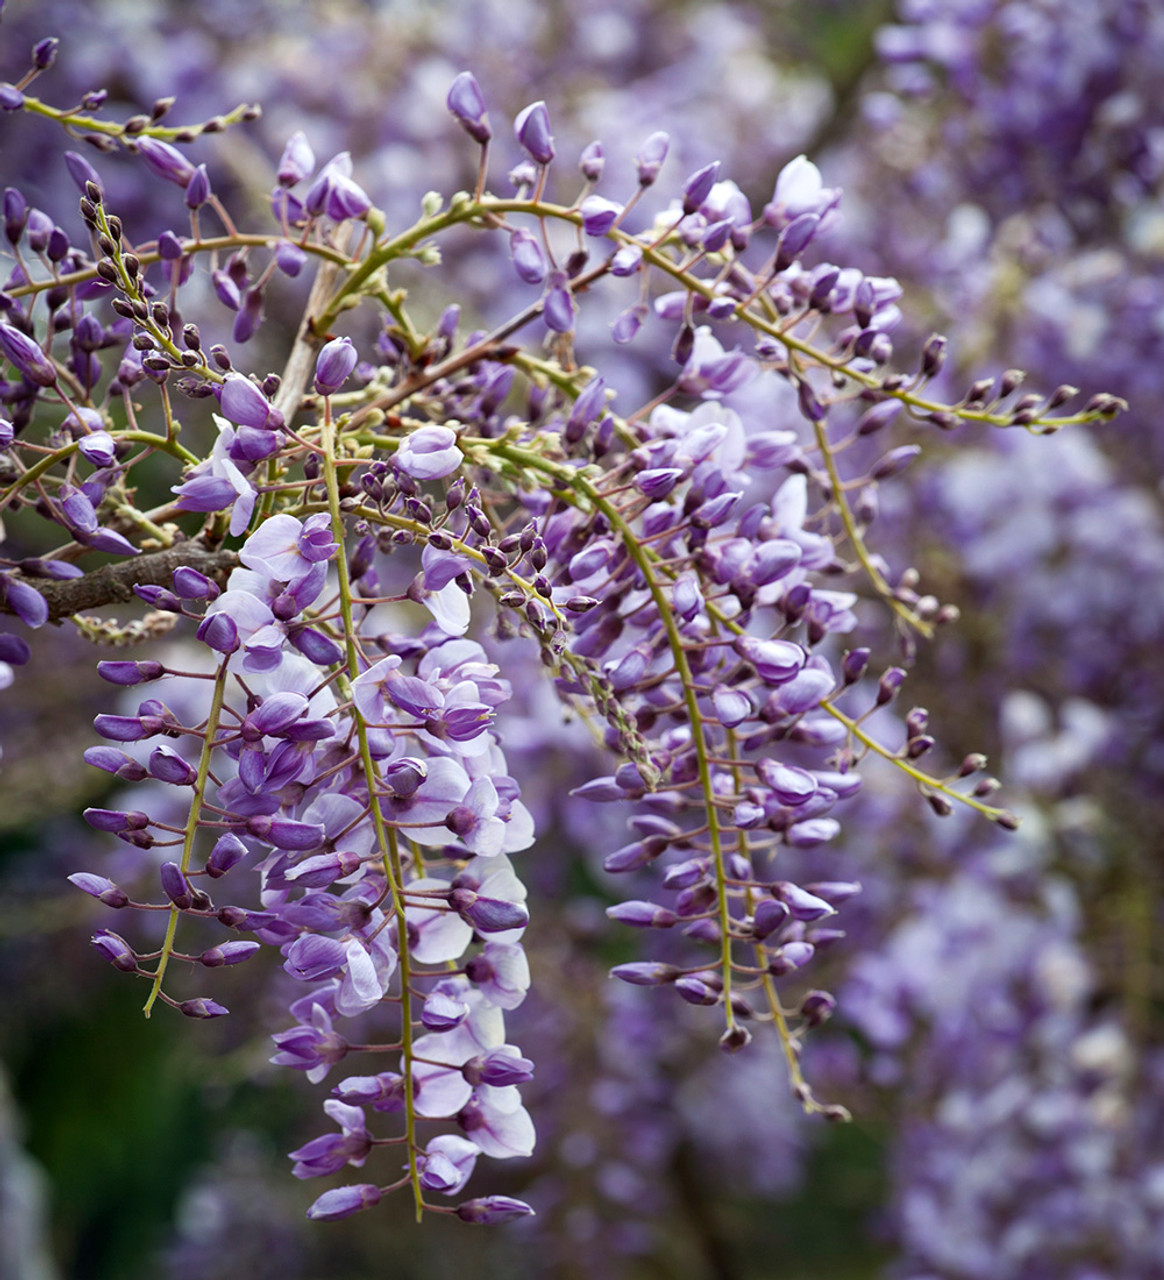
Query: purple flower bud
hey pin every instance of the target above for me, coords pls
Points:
(643, 915)
(297, 161)
(467, 104)
(100, 888)
(650, 157)
(889, 684)
(698, 188)
(316, 647)
(201, 1007)
(697, 992)
(289, 258)
(116, 762)
(817, 1007)
(334, 365)
(168, 766)
(488, 915)
(228, 850)
(115, 949)
(82, 172)
(528, 259)
(626, 261)
(244, 403)
(790, 785)
(769, 915)
(11, 99)
(599, 215)
(790, 957)
(532, 130)
(429, 453)
(116, 819)
(26, 602)
(14, 650)
(628, 323)
(219, 631)
(558, 307)
(175, 885)
(498, 1069)
(442, 1012)
(166, 161)
(130, 673)
(15, 214)
(20, 350)
(657, 482)
(228, 953)
(226, 290)
(592, 161)
(794, 239)
(286, 834)
(490, 1210)
(189, 584)
(895, 461)
(342, 1202)
(198, 189)
(44, 53)
(98, 448)
(802, 904)
(776, 661)
(646, 973)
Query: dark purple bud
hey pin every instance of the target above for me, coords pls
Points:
(228, 953)
(769, 915)
(166, 161)
(735, 1038)
(219, 631)
(228, 850)
(116, 762)
(27, 356)
(467, 104)
(198, 189)
(202, 1007)
(14, 650)
(44, 53)
(130, 673)
(646, 973)
(657, 482)
(854, 665)
(794, 239)
(889, 684)
(933, 356)
(189, 584)
(115, 949)
(532, 130)
(11, 99)
(334, 365)
(817, 1007)
(490, 1210)
(175, 885)
(168, 766)
(790, 785)
(695, 991)
(117, 819)
(650, 157)
(383, 1092)
(100, 888)
(286, 834)
(877, 417)
(289, 258)
(15, 214)
(592, 161)
(226, 290)
(775, 661)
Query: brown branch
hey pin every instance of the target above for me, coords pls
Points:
(114, 583)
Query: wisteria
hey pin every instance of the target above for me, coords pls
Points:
(544, 576)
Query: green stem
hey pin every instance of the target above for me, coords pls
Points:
(208, 744)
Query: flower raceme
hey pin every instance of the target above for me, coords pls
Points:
(329, 738)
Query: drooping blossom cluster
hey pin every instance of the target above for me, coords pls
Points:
(680, 572)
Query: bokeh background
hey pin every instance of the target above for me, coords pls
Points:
(998, 1033)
